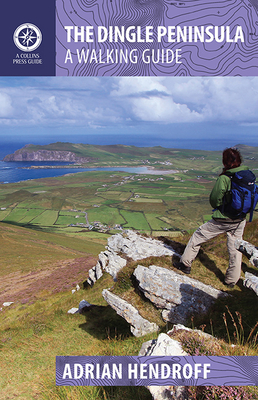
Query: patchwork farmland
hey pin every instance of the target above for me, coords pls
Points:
(104, 201)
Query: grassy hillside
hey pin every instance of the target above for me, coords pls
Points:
(37, 327)
(38, 272)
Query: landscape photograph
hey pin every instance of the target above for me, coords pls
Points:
(103, 180)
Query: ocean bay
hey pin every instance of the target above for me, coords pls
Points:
(11, 172)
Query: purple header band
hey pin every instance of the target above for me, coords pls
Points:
(157, 371)
(156, 38)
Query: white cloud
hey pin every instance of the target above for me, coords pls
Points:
(102, 102)
(163, 110)
(5, 105)
(137, 85)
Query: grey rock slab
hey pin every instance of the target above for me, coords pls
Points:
(251, 282)
(139, 325)
(73, 310)
(8, 303)
(162, 346)
(103, 259)
(178, 295)
(249, 250)
(84, 306)
(98, 271)
(165, 346)
(115, 264)
(138, 247)
(94, 274)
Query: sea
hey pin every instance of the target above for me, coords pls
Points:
(11, 172)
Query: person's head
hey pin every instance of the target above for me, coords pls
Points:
(231, 158)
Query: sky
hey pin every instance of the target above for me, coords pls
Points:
(130, 110)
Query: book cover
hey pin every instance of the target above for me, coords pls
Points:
(150, 86)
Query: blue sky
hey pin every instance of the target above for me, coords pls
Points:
(84, 109)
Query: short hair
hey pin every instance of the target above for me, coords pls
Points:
(231, 158)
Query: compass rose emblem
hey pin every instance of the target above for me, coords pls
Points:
(27, 37)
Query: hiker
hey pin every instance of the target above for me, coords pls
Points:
(223, 220)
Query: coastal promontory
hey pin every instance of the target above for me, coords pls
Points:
(56, 152)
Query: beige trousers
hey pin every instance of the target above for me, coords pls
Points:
(213, 228)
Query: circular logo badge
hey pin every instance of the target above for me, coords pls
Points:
(27, 37)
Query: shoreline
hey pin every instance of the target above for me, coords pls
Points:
(152, 170)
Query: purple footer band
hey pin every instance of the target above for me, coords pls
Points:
(156, 371)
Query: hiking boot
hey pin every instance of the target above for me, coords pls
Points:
(182, 267)
(229, 285)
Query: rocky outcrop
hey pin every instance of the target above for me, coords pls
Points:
(249, 250)
(138, 247)
(139, 325)
(108, 261)
(131, 245)
(178, 296)
(46, 155)
(165, 346)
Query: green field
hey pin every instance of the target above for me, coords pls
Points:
(16, 215)
(31, 215)
(156, 223)
(146, 200)
(107, 215)
(65, 218)
(48, 217)
(135, 220)
(111, 200)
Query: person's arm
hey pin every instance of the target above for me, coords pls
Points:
(221, 187)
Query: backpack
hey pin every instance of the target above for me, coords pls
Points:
(244, 194)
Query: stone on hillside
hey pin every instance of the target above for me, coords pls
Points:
(115, 263)
(103, 259)
(84, 306)
(139, 325)
(138, 247)
(249, 250)
(165, 346)
(7, 303)
(162, 346)
(94, 274)
(178, 295)
(98, 271)
(251, 282)
(73, 310)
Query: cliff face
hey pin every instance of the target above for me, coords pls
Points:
(46, 155)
